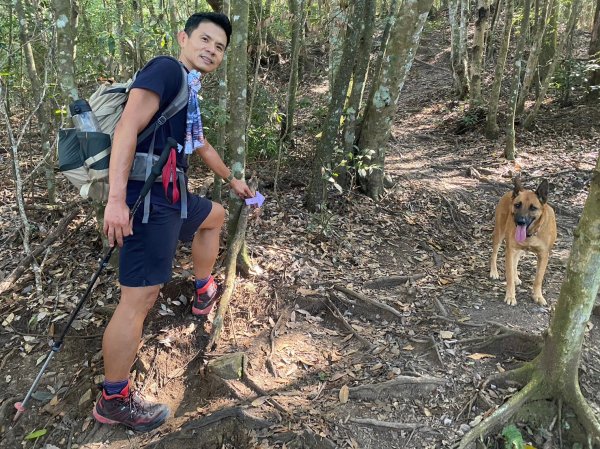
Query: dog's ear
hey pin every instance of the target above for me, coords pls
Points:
(518, 186)
(542, 191)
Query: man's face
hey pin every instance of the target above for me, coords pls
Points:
(204, 49)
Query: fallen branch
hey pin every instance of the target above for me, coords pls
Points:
(368, 300)
(393, 281)
(338, 315)
(8, 282)
(387, 424)
(258, 390)
(400, 387)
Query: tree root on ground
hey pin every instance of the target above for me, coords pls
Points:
(511, 342)
(400, 387)
(534, 389)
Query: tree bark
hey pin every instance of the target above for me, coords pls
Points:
(509, 148)
(65, 19)
(491, 128)
(338, 21)
(238, 85)
(404, 41)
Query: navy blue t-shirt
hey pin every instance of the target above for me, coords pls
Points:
(162, 75)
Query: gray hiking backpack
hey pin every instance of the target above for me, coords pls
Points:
(84, 157)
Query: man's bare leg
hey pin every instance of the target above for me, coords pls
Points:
(205, 246)
(124, 331)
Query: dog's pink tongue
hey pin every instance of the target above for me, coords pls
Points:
(521, 233)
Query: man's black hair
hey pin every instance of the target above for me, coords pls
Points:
(215, 17)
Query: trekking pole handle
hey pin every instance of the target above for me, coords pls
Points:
(158, 166)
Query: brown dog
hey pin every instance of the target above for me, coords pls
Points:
(527, 222)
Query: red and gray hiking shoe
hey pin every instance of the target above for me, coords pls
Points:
(131, 410)
(206, 297)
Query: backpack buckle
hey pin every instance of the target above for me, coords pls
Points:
(161, 120)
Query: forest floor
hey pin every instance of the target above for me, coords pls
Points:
(326, 367)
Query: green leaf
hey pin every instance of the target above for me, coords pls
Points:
(36, 434)
(513, 438)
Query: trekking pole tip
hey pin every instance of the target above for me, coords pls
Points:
(20, 410)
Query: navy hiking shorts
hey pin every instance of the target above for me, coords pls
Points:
(146, 257)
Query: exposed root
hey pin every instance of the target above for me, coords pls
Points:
(521, 375)
(502, 415)
(585, 415)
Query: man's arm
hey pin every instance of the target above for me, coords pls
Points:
(212, 159)
(141, 106)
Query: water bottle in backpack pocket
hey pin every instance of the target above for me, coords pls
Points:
(83, 157)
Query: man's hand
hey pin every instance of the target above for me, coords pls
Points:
(117, 224)
(241, 189)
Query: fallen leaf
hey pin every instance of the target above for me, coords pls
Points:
(408, 347)
(344, 394)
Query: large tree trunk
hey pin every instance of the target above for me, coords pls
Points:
(404, 41)
(509, 148)
(491, 128)
(457, 12)
(478, 51)
(554, 373)
(321, 175)
(570, 28)
(594, 52)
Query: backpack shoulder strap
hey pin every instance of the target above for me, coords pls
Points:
(178, 103)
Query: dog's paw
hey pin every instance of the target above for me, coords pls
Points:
(494, 273)
(539, 299)
(510, 300)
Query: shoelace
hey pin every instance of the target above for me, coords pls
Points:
(136, 401)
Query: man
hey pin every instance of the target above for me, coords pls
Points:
(147, 249)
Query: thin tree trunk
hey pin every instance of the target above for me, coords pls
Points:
(509, 148)
(316, 194)
(238, 85)
(338, 19)
(172, 12)
(222, 116)
(458, 58)
(534, 54)
(481, 26)
(361, 66)
(571, 23)
(287, 124)
(65, 20)
(43, 113)
(492, 129)
(594, 52)
(402, 46)
(549, 43)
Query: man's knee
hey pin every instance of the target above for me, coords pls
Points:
(215, 218)
(139, 299)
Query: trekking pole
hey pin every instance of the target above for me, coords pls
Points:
(155, 173)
